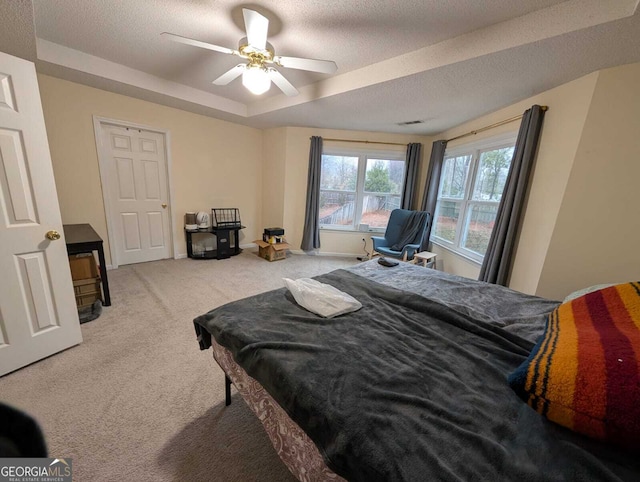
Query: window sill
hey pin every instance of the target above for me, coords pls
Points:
(352, 231)
(458, 253)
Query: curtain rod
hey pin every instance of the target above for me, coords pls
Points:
(366, 142)
(470, 133)
(497, 124)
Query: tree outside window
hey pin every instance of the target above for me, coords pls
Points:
(360, 188)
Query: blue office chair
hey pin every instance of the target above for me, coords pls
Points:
(404, 235)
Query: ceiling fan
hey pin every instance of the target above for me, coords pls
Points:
(258, 73)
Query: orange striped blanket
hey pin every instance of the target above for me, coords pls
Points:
(584, 372)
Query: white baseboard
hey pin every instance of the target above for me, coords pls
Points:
(314, 253)
(242, 246)
(292, 251)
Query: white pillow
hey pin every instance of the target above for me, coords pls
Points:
(584, 291)
(320, 298)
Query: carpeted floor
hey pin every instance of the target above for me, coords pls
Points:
(137, 400)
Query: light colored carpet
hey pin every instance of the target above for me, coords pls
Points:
(138, 400)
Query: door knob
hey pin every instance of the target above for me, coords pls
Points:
(53, 235)
(164, 205)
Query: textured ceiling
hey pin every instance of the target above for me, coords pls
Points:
(17, 32)
(439, 62)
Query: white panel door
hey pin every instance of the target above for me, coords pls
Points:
(138, 194)
(38, 314)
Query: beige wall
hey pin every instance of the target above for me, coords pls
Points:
(296, 172)
(597, 233)
(568, 106)
(453, 263)
(583, 184)
(583, 187)
(214, 163)
(273, 176)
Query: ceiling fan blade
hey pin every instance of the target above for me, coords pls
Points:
(312, 65)
(229, 75)
(257, 27)
(197, 43)
(283, 84)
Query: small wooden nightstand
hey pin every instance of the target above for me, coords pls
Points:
(425, 257)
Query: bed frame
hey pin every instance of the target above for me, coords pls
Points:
(514, 321)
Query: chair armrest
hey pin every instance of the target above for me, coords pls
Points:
(378, 241)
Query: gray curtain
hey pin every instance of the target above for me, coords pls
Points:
(431, 187)
(311, 232)
(411, 175)
(496, 266)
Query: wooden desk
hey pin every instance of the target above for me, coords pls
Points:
(81, 238)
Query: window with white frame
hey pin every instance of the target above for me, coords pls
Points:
(360, 188)
(471, 184)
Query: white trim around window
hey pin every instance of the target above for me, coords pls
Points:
(354, 192)
(467, 197)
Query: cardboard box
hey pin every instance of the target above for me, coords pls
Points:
(83, 266)
(86, 279)
(272, 252)
(87, 291)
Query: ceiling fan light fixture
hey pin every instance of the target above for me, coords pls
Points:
(256, 80)
(257, 73)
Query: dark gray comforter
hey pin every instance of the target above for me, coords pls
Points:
(409, 388)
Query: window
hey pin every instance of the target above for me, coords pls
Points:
(471, 184)
(359, 187)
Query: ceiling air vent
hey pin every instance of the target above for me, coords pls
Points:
(410, 123)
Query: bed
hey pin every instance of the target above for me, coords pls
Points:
(410, 387)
